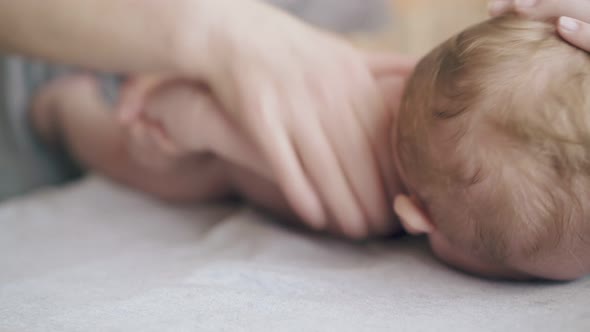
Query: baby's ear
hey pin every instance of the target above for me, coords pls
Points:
(160, 137)
(413, 218)
(134, 93)
(149, 145)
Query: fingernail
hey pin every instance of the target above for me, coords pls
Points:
(497, 7)
(569, 24)
(526, 3)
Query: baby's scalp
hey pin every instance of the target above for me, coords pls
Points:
(494, 138)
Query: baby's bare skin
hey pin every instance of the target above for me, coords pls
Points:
(187, 120)
(71, 113)
(180, 149)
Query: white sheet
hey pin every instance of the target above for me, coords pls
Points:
(95, 257)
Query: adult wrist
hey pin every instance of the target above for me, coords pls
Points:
(200, 37)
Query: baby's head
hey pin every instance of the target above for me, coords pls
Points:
(493, 145)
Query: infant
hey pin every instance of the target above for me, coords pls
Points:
(489, 152)
(181, 148)
(493, 145)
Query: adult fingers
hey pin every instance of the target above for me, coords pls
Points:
(366, 120)
(262, 110)
(499, 7)
(358, 161)
(325, 169)
(543, 9)
(574, 16)
(575, 32)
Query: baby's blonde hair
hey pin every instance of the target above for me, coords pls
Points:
(494, 138)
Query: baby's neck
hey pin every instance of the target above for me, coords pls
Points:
(392, 87)
(388, 158)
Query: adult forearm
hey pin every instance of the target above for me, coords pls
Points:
(117, 35)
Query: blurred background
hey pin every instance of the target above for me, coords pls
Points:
(410, 26)
(416, 26)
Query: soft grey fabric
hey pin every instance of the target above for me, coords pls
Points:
(95, 257)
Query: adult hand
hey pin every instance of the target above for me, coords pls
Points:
(383, 65)
(303, 97)
(179, 119)
(573, 16)
(310, 105)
